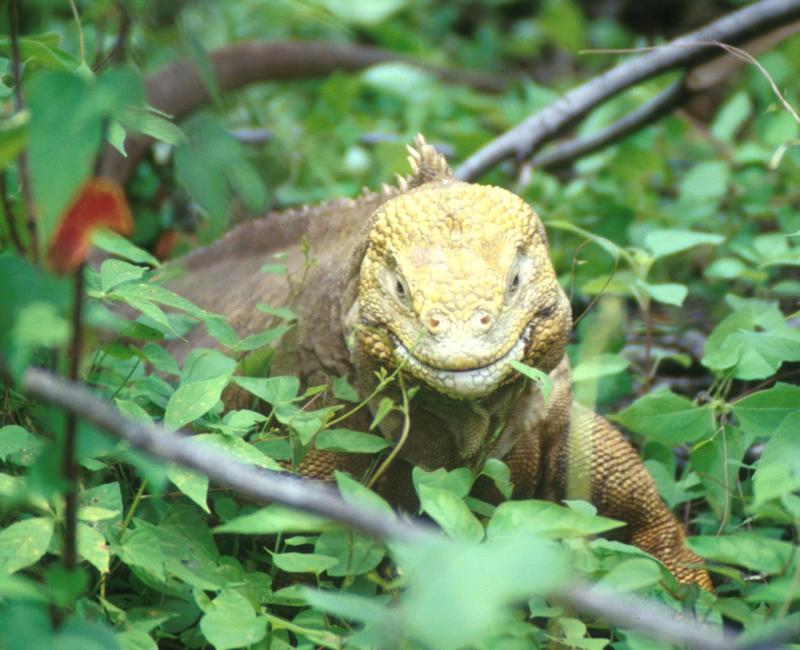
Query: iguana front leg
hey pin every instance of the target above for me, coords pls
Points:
(593, 461)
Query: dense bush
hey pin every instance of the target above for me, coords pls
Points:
(678, 245)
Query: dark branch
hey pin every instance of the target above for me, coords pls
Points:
(656, 621)
(258, 484)
(662, 104)
(265, 486)
(524, 139)
(180, 90)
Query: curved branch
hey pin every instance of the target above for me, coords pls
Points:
(179, 88)
(662, 104)
(522, 140)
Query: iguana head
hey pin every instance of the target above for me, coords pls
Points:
(457, 282)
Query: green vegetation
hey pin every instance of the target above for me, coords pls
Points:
(687, 233)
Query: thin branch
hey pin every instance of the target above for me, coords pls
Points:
(8, 211)
(258, 484)
(69, 468)
(77, 17)
(524, 139)
(179, 89)
(266, 486)
(19, 104)
(656, 621)
(648, 113)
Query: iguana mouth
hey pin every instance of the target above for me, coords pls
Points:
(472, 383)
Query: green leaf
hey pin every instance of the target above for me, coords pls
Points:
(236, 448)
(303, 562)
(667, 418)
(752, 342)
(778, 469)
(385, 407)
(749, 550)
(662, 243)
(762, 412)
(231, 622)
(116, 272)
(116, 244)
(193, 400)
(160, 359)
(404, 81)
(272, 520)
(706, 181)
(13, 136)
(500, 475)
(153, 125)
(57, 171)
(37, 51)
(141, 548)
(602, 365)
(730, 118)
(545, 519)
(24, 543)
(343, 390)
(355, 554)
(272, 390)
(451, 513)
(192, 484)
(345, 440)
(669, 293)
(630, 575)
(536, 375)
(363, 13)
(357, 495)
(13, 439)
(456, 595)
(92, 547)
(457, 481)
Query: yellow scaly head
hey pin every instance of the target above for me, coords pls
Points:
(456, 282)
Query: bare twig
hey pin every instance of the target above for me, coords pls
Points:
(524, 139)
(262, 485)
(19, 104)
(10, 221)
(652, 111)
(69, 462)
(258, 484)
(655, 620)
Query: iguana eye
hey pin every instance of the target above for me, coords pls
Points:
(513, 284)
(397, 286)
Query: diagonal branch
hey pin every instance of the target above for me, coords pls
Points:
(258, 484)
(179, 89)
(524, 139)
(264, 486)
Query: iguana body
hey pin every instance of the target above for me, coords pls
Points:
(448, 281)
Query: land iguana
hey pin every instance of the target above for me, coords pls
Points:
(449, 282)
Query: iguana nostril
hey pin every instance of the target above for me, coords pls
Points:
(482, 321)
(435, 323)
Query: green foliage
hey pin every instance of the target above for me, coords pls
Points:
(692, 225)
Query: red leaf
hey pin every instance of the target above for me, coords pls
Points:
(100, 203)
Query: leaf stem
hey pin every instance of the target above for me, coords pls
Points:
(70, 470)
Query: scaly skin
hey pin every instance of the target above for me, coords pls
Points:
(450, 282)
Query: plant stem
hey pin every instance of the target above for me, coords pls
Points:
(77, 17)
(19, 104)
(12, 229)
(70, 465)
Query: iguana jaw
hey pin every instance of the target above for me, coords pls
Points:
(472, 383)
